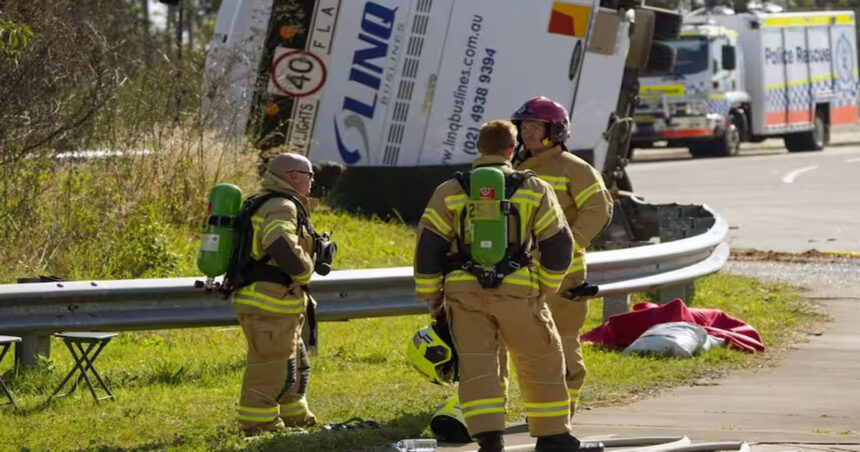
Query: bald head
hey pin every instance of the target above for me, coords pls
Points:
(294, 169)
(282, 164)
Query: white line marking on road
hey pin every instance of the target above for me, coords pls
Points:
(853, 160)
(789, 178)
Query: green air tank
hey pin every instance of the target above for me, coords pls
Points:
(216, 244)
(489, 224)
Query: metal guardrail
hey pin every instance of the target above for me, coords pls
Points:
(119, 305)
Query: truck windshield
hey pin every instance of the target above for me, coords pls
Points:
(691, 54)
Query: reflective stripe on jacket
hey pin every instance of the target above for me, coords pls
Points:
(584, 199)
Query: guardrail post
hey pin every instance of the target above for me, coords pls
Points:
(683, 291)
(615, 304)
(28, 350)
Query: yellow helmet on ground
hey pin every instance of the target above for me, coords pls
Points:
(448, 423)
(431, 353)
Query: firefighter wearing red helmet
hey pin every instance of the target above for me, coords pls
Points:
(543, 127)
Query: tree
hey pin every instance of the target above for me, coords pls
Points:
(79, 55)
(13, 37)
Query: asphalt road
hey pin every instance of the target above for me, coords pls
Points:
(772, 199)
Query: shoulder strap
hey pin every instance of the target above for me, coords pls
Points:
(512, 183)
(464, 179)
(515, 180)
(304, 218)
(254, 203)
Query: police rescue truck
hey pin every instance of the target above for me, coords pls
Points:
(397, 90)
(752, 76)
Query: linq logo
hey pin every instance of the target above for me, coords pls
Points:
(487, 193)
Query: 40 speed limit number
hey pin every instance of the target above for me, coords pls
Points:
(296, 73)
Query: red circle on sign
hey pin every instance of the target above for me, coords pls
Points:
(291, 53)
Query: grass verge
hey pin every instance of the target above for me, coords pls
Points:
(177, 389)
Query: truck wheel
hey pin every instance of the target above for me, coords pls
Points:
(812, 140)
(818, 135)
(794, 142)
(729, 143)
(701, 149)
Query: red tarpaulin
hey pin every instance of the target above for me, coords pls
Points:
(622, 329)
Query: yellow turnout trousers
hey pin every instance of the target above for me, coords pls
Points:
(569, 316)
(478, 323)
(273, 385)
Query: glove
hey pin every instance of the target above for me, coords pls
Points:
(583, 290)
(434, 307)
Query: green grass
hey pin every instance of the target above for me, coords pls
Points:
(366, 243)
(140, 217)
(177, 389)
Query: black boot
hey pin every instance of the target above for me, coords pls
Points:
(490, 442)
(565, 442)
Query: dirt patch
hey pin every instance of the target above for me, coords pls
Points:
(808, 256)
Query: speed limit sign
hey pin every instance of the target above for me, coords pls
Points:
(296, 73)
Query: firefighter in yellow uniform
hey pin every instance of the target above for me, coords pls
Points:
(543, 128)
(271, 306)
(485, 305)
